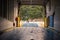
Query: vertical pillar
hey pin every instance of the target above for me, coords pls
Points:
(45, 18)
(17, 19)
(18, 14)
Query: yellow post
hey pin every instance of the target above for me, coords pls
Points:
(18, 21)
(45, 22)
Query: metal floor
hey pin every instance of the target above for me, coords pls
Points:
(30, 33)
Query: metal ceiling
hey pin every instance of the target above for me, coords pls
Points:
(33, 2)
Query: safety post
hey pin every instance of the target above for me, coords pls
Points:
(17, 21)
(45, 22)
